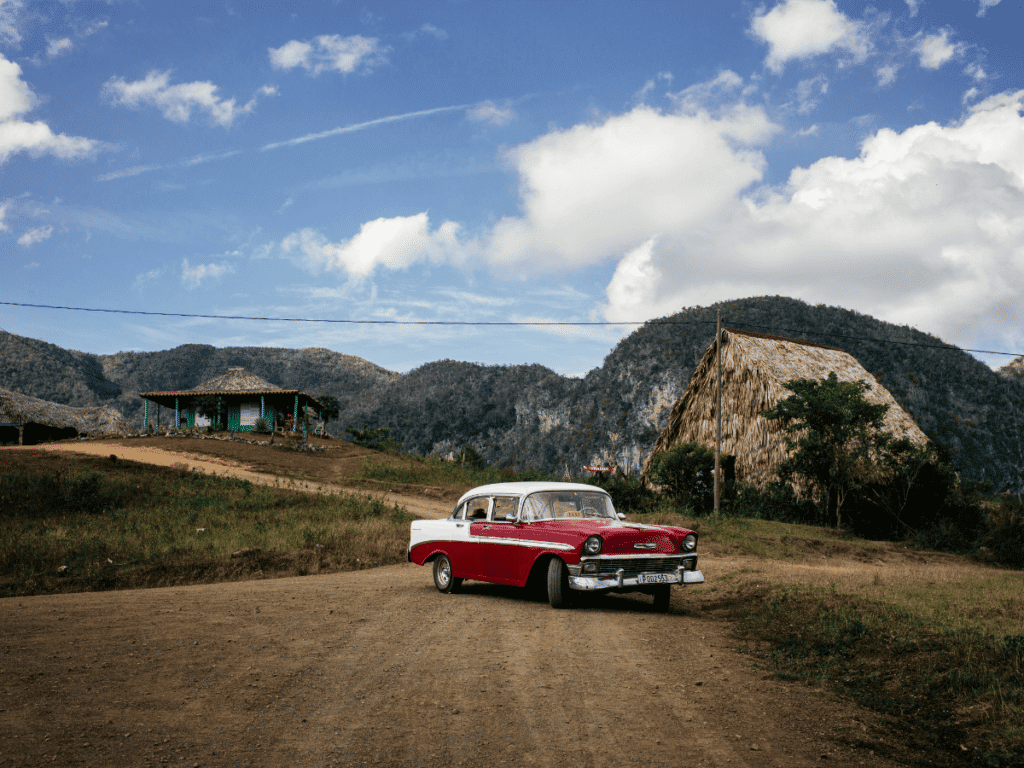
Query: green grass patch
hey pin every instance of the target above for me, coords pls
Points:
(960, 690)
(80, 525)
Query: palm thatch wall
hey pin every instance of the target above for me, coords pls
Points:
(755, 369)
(22, 410)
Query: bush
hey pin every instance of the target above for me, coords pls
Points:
(261, 427)
(686, 474)
(1003, 538)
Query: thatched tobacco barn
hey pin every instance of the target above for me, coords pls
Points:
(243, 396)
(29, 420)
(755, 369)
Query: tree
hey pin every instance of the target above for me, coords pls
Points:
(836, 437)
(686, 473)
(210, 407)
(330, 408)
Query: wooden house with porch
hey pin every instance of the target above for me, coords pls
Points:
(242, 398)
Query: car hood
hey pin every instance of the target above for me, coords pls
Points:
(619, 537)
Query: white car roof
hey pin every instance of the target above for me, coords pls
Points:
(526, 488)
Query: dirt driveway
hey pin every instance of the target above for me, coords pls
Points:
(378, 668)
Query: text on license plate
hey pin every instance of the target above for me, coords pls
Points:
(656, 578)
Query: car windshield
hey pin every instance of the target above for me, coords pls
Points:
(555, 505)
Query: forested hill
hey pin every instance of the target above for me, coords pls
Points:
(528, 415)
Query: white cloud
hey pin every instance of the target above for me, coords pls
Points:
(175, 101)
(596, 190)
(34, 236)
(886, 74)
(976, 71)
(802, 29)
(924, 227)
(489, 112)
(984, 5)
(808, 93)
(427, 29)
(55, 48)
(192, 277)
(10, 22)
(935, 50)
(701, 96)
(16, 135)
(391, 243)
(3, 215)
(912, 7)
(330, 52)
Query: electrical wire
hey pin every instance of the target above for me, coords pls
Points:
(512, 323)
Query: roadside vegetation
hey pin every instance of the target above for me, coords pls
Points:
(91, 524)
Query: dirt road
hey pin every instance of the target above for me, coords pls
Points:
(378, 668)
(214, 465)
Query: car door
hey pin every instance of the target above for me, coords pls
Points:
(503, 558)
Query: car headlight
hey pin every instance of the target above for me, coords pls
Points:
(592, 546)
(689, 543)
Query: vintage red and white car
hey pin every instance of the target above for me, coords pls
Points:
(567, 535)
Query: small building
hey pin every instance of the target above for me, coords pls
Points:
(27, 420)
(243, 396)
(755, 369)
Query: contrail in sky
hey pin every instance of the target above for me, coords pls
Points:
(361, 126)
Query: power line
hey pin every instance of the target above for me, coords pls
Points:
(510, 323)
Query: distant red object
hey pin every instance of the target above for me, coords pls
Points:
(612, 468)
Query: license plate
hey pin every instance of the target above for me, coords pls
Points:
(656, 578)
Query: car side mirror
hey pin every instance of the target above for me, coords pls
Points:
(620, 515)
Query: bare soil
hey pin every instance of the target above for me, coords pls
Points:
(378, 668)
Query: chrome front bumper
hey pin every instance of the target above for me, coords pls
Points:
(620, 580)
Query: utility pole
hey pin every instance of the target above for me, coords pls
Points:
(718, 412)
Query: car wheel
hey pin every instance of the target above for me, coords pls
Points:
(662, 597)
(443, 578)
(558, 583)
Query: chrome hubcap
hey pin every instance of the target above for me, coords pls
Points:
(444, 573)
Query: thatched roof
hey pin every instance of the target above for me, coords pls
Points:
(16, 408)
(235, 380)
(755, 369)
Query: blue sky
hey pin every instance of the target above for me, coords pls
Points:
(505, 161)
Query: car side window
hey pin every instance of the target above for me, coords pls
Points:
(505, 508)
(460, 512)
(476, 509)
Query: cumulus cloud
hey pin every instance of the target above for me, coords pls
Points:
(330, 52)
(17, 135)
(390, 243)
(803, 29)
(489, 112)
(935, 50)
(193, 277)
(886, 74)
(176, 102)
(599, 189)
(924, 227)
(34, 236)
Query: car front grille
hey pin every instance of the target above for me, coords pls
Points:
(631, 566)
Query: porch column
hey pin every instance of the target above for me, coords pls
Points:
(177, 414)
(295, 415)
(145, 414)
(263, 410)
(158, 415)
(218, 412)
